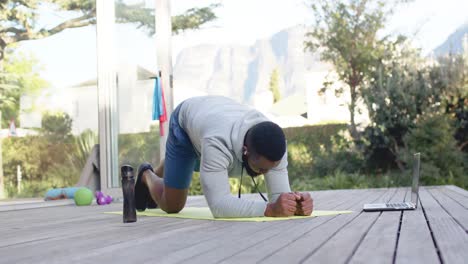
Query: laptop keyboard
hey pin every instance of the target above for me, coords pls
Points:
(398, 205)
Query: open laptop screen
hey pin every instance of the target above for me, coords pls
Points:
(416, 173)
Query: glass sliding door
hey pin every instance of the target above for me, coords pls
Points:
(128, 58)
(107, 93)
(49, 102)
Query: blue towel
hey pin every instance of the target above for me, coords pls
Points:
(158, 109)
(62, 193)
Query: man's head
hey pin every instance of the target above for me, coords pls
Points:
(264, 146)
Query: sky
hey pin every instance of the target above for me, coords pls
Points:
(69, 58)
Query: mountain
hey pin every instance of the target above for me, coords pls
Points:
(244, 72)
(454, 42)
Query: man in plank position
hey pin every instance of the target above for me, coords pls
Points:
(227, 137)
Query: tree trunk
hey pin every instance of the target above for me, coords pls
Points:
(352, 106)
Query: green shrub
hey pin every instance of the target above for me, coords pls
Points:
(195, 185)
(441, 161)
(314, 137)
(56, 126)
(83, 144)
(41, 161)
(342, 180)
(307, 145)
(28, 189)
(342, 156)
(139, 147)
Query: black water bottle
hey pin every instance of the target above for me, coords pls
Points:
(128, 188)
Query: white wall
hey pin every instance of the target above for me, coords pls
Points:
(81, 103)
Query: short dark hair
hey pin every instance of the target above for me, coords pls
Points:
(267, 139)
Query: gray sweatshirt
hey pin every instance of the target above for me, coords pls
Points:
(217, 126)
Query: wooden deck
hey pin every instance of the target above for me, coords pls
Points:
(437, 232)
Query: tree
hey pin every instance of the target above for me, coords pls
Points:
(56, 126)
(274, 85)
(398, 94)
(21, 77)
(346, 34)
(21, 17)
(452, 74)
(442, 161)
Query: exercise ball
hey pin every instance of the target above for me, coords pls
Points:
(83, 196)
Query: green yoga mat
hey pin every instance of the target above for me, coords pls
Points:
(204, 213)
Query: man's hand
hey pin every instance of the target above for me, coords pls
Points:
(304, 204)
(285, 205)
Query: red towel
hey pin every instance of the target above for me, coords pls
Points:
(163, 116)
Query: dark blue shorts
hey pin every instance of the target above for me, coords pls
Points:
(181, 158)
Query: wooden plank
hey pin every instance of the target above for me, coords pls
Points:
(454, 209)
(449, 237)
(348, 237)
(457, 190)
(48, 237)
(18, 205)
(37, 220)
(173, 250)
(276, 247)
(170, 240)
(255, 248)
(415, 243)
(456, 196)
(383, 233)
(255, 243)
(24, 231)
(36, 224)
(65, 247)
(62, 235)
(186, 243)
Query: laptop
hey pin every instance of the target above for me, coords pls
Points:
(413, 204)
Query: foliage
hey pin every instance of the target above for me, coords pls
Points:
(247, 184)
(399, 92)
(28, 189)
(195, 186)
(320, 157)
(139, 147)
(193, 18)
(56, 126)
(20, 76)
(452, 74)
(22, 18)
(50, 163)
(346, 34)
(274, 85)
(41, 161)
(234, 182)
(342, 157)
(306, 144)
(442, 162)
(83, 144)
(342, 180)
(402, 90)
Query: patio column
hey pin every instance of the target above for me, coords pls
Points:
(164, 60)
(107, 95)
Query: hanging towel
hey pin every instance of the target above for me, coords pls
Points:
(159, 105)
